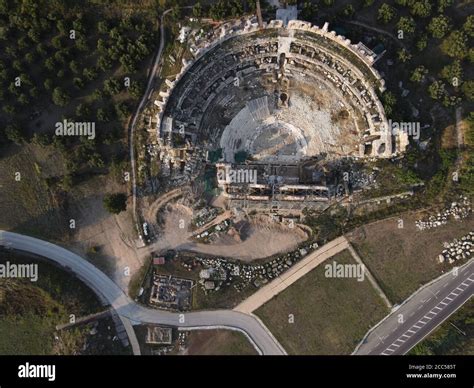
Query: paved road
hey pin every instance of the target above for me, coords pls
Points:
(126, 308)
(422, 313)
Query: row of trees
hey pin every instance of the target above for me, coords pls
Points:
(78, 58)
(427, 21)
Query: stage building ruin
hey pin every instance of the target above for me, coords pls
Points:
(287, 101)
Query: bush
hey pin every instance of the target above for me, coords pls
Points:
(115, 203)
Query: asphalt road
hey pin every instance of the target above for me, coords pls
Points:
(105, 288)
(419, 315)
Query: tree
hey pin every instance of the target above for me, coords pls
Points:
(95, 160)
(468, 90)
(419, 74)
(9, 108)
(386, 13)
(452, 73)
(422, 42)
(102, 115)
(389, 102)
(176, 12)
(97, 95)
(48, 84)
(437, 90)
(451, 101)
(112, 86)
(136, 90)
(103, 27)
(122, 109)
(403, 55)
(57, 42)
(470, 55)
(455, 45)
(348, 10)
(41, 50)
(83, 110)
(443, 4)
(309, 10)
(90, 73)
(81, 44)
(421, 8)
(15, 134)
(104, 63)
(67, 182)
(78, 82)
(406, 24)
(197, 10)
(29, 57)
(60, 97)
(439, 26)
(129, 63)
(468, 26)
(50, 64)
(115, 203)
(23, 99)
(43, 139)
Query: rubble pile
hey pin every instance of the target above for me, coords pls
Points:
(457, 210)
(205, 215)
(458, 249)
(363, 180)
(213, 232)
(220, 271)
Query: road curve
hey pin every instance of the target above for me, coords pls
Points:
(108, 291)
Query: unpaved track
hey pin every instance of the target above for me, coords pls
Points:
(297, 271)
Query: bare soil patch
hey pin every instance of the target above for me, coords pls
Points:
(402, 260)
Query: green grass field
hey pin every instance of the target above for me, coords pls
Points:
(219, 343)
(331, 315)
(29, 311)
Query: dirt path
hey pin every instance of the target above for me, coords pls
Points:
(260, 240)
(379, 30)
(152, 211)
(301, 268)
